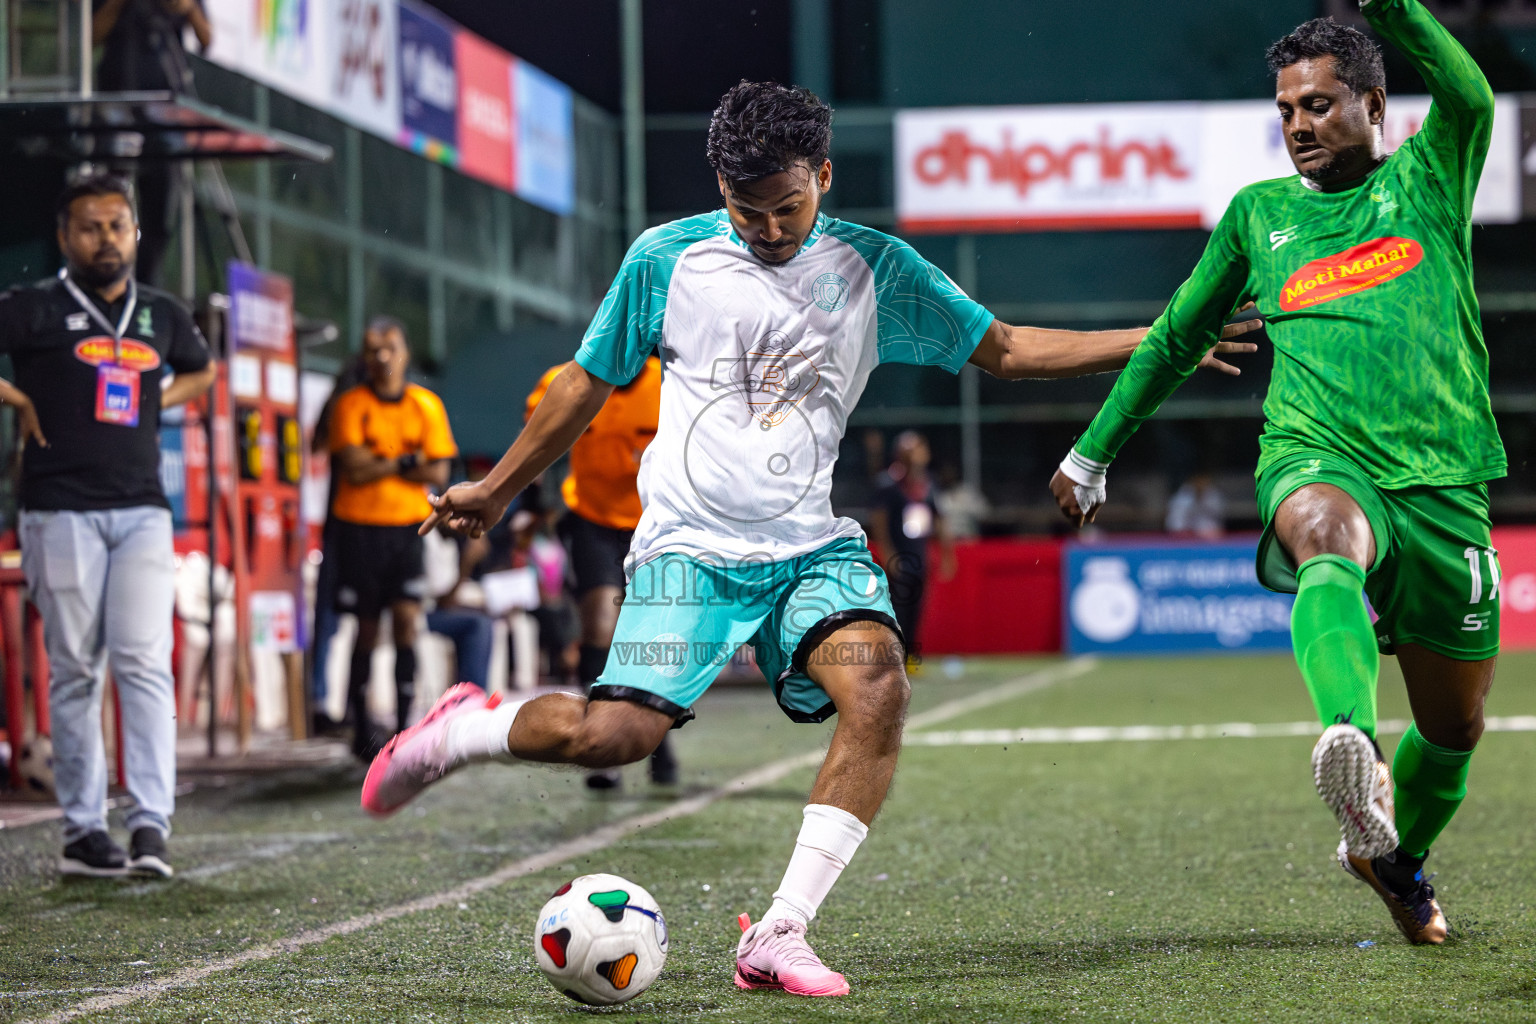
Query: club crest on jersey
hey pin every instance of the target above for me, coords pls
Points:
(1352, 271)
(830, 292)
(99, 350)
(1383, 195)
(145, 322)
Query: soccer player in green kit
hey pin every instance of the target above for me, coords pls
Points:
(1380, 435)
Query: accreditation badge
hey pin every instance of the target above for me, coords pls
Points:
(117, 395)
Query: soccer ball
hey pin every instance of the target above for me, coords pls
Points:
(601, 939)
(37, 764)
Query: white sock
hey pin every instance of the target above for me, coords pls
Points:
(828, 840)
(482, 735)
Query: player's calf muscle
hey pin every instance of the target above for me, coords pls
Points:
(562, 728)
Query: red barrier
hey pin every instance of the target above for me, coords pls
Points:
(1517, 590)
(1005, 599)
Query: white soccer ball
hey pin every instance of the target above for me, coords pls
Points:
(601, 939)
(36, 764)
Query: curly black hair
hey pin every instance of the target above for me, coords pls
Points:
(1356, 57)
(762, 128)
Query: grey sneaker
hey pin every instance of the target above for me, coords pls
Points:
(93, 855)
(148, 857)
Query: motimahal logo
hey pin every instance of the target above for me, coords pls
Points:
(1349, 272)
(1103, 161)
(136, 354)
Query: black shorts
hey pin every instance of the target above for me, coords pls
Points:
(375, 567)
(597, 552)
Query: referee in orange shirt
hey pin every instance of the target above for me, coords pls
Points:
(390, 441)
(604, 509)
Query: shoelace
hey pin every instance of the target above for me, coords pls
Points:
(788, 940)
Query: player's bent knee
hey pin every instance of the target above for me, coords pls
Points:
(1456, 734)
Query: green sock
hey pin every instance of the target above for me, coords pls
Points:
(1431, 783)
(1334, 643)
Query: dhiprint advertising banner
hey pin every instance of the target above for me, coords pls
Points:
(1128, 165)
(1048, 168)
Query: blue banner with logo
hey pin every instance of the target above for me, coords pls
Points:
(1172, 597)
(429, 87)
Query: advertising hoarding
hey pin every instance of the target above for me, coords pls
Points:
(544, 144)
(429, 85)
(1128, 165)
(485, 110)
(1170, 597)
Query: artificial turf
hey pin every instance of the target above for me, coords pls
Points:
(1162, 880)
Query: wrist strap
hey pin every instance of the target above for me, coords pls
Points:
(1082, 470)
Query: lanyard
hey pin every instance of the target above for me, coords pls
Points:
(101, 321)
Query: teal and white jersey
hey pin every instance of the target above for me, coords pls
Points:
(761, 365)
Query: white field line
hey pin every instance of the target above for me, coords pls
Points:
(580, 846)
(1138, 733)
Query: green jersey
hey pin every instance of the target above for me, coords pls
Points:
(1379, 354)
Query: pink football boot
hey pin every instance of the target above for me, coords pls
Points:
(418, 757)
(776, 955)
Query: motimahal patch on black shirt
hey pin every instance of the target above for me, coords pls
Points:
(57, 349)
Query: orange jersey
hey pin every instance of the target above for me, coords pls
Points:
(415, 422)
(605, 460)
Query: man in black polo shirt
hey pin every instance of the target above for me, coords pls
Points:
(89, 350)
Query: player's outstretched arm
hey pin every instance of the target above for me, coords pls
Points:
(573, 400)
(1459, 128)
(1019, 353)
(1172, 349)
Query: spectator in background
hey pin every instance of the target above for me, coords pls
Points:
(962, 506)
(324, 631)
(450, 562)
(390, 440)
(603, 502)
(904, 519)
(1197, 508)
(90, 351)
(141, 51)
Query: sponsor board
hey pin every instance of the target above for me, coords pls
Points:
(485, 110)
(1517, 586)
(429, 86)
(544, 142)
(1170, 597)
(1048, 167)
(401, 71)
(1130, 165)
(361, 62)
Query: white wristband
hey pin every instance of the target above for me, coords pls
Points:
(1082, 470)
(1087, 476)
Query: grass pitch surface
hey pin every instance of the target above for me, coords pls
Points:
(1179, 880)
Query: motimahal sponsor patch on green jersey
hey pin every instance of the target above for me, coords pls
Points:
(1379, 353)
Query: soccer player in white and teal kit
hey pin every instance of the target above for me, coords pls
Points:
(768, 317)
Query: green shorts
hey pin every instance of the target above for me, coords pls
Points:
(684, 617)
(1436, 577)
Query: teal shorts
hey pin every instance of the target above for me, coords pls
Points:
(683, 618)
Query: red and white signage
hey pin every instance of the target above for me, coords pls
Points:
(1047, 168)
(485, 110)
(1517, 587)
(1129, 165)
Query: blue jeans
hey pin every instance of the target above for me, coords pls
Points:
(471, 632)
(105, 583)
